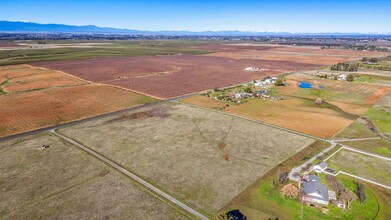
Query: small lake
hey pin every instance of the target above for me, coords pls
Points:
(305, 85)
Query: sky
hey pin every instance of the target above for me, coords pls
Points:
(363, 16)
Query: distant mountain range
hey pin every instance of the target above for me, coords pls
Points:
(30, 27)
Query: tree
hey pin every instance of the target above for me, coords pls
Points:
(318, 101)
(279, 82)
(216, 89)
(282, 177)
(247, 89)
(350, 77)
(373, 60)
(360, 193)
(335, 185)
(347, 197)
(234, 215)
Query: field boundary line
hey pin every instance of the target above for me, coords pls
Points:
(132, 176)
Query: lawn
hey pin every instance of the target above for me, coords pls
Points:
(63, 182)
(202, 157)
(361, 165)
(297, 114)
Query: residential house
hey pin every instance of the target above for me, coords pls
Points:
(314, 193)
(342, 77)
(320, 167)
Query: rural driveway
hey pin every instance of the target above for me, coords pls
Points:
(299, 168)
(131, 175)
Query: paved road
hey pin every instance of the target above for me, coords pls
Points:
(360, 178)
(131, 175)
(357, 139)
(358, 151)
(299, 168)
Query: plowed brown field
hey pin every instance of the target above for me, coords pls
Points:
(25, 78)
(26, 111)
(170, 76)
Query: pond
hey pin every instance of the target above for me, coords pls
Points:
(305, 85)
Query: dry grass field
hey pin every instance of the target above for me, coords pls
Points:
(63, 182)
(369, 167)
(202, 157)
(36, 109)
(296, 114)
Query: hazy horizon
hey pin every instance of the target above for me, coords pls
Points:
(199, 16)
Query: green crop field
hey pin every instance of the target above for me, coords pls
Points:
(72, 50)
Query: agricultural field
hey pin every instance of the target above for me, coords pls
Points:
(171, 76)
(30, 51)
(63, 182)
(296, 114)
(365, 166)
(180, 74)
(211, 159)
(19, 78)
(41, 108)
(301, 54)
